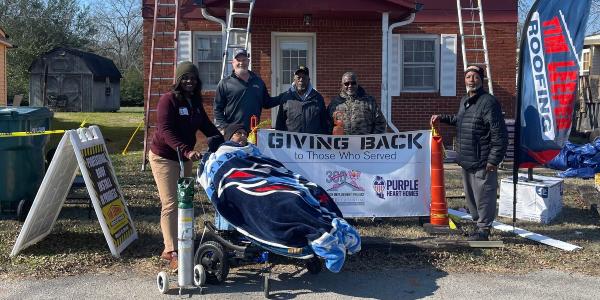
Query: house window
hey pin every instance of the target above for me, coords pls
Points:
(208, 55)
(419, 63)
(586, 60)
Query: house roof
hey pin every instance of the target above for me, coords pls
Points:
(433, 11)
(3, 39)
(98, 65)
(592, 40)
(278, 8)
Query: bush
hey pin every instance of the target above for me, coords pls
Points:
(132, 88)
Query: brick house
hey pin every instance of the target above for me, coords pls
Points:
(422, 62)
(4, 45)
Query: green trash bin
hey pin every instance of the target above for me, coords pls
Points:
(22, 158)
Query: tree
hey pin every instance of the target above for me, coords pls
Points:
(119, 34)
(37, 26)
(119, 38)
(593, 23)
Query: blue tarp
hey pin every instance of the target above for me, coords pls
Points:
(574, 160)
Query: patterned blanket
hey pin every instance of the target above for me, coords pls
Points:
(269, 203)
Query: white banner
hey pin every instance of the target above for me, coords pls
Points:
(379, 175)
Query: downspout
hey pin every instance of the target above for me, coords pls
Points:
(210, 17)
(386, 99)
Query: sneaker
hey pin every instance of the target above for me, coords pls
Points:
(479, 235)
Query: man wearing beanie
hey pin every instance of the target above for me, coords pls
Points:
(241, 95)
(180, 115)
(482, 141)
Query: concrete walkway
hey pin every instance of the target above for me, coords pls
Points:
(388, 284)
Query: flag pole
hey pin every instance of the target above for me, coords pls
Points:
(517, 142)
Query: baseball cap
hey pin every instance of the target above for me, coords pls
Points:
(240, 51)
(302, 69)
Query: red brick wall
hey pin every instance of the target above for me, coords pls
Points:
(355, 45)
(502, 51)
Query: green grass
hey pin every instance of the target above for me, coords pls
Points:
(116, 128)
(77, 246)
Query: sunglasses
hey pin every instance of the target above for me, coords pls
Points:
(349, 83)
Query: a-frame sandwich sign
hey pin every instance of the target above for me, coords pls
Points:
(83, 148)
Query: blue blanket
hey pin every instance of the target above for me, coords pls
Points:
(269, 203)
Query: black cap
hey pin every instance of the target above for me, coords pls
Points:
(240, 51)
(301, 69)
(231, 129)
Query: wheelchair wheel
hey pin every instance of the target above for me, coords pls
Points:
(213, 258)
(314, 265)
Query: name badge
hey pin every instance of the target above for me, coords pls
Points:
(183, 111)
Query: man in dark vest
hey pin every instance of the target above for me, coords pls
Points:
(482, 141)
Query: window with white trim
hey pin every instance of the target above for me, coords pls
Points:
(586, 60)
(419, 63)
(208, 51)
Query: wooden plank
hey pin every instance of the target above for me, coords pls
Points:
(523, 233)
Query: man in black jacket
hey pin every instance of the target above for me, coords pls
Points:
(241, 95)
(482, 141)
(302, 108)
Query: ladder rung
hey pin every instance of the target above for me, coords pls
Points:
(243, 1)
(167, 4)
(156, 94)
(152, 110)
(471, 8)
(476, 64)
(237, 29)
(164, 63)
(472, 35)
(165, 19)
(235, 46)
(481, 50)
(240, 15)
(165, 32)
(165, 48)
(162, 78)
(472, 22)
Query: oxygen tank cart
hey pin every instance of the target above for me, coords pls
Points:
(187, 276)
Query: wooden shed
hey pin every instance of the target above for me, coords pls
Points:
(4, 44)
(65, 79)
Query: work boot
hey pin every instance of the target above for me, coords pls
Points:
(480, 235)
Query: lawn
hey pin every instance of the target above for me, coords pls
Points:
(76, 244)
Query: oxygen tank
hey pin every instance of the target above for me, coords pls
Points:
(185, 231)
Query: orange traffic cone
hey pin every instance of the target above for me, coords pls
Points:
(439, 207)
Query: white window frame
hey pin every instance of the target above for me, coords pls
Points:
(206, 86)
(583, 61)
(436, 41)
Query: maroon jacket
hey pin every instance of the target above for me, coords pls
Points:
(177, 124)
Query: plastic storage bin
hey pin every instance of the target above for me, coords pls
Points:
(21, 158)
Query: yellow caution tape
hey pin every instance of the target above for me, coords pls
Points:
(451, 224)
(30, 133)
(131, 138)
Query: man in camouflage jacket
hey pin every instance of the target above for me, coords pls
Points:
(360, 113)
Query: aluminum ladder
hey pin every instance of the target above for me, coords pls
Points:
(163, 61)
(238, 10)
(475, 43)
